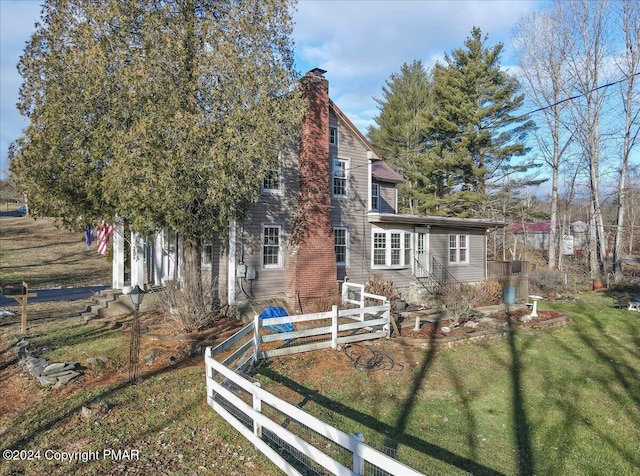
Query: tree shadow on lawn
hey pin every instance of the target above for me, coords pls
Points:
(52, 418)
(396, 433)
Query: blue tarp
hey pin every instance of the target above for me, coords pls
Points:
(276, 311)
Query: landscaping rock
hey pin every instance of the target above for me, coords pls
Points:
(45, 372)
(94, 410)
(93, 361)
(471, 324)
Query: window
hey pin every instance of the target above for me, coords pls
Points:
(392, 249)
(340, 175)
(341, 241)
(271, 254)
(207, 253)
(407, 249)
(458, 249)
(375, 196)
(395, 249)
(333, 136)
(271, 181)
(379, 249)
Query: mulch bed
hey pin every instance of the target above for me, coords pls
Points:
(498, 323)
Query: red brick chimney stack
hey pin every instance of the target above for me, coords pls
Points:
(311, 261)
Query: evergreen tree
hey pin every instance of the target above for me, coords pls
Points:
(473, 127)
(400, 131)
(166, 113)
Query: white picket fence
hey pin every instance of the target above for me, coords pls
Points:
(297, 442)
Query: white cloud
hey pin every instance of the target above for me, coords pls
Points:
(362, 42)
(359, 42)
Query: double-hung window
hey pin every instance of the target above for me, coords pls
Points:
(207, 253)
(272, 181)
(333, 136)
(341, 241)
(271, 246)
(458, 248)
(375, 197)
(340, 177)
(391, 249)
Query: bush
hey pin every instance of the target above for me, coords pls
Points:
(376, 284)
(187, 307)
(456, 302)
(488, 292)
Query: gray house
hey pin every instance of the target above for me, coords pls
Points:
(328, 213)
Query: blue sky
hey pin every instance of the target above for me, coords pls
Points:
(359, 42)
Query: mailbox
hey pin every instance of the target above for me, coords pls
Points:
(13, 289)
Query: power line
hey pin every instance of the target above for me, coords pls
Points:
(613, 83)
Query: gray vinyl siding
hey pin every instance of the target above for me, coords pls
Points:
(471, 272)
(387, 197)
(270, 210)
(351, 212)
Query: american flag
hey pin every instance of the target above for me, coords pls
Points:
(105, 231)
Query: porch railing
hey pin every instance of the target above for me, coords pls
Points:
(436, 278)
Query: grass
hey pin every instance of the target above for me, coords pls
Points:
(43, 255)
(562, 401)
(553, 402)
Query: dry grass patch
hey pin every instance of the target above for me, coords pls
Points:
(43, 255)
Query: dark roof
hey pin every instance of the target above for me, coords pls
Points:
(382, 172)
(431, 220)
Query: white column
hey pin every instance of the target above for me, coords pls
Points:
(158, 258)
(137, 260)
(117, 260)
(231, 268)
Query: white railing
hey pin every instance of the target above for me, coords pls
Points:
(322, 330)
(245, 405)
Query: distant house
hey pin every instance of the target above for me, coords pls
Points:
(328, 213)
(536, 235)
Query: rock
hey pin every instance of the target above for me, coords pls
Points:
(94, 409)
(56, 368)
(45, 380)
(151, 358)
(526, 318)
(93, 361)
(62, 379)
(471, 324)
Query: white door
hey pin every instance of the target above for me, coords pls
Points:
(422, 252)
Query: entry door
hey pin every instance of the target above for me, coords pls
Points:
(422, 252)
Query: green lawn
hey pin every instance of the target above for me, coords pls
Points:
(564, 401)
(561, 401)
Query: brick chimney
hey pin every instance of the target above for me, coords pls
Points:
(311, 273)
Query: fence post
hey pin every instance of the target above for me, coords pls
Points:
(387, 316)
(257, 406)
(358, 462)
(334, 327)
(256, 336)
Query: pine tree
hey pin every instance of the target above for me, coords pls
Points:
(474, 127)
(400, 133)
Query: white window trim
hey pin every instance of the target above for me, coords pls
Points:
(457, 262)
(387, 234)
(204, 255)
(280, 189)
(279, 264)
(335, 141)
(375, 186)
(347, 163)
(348, 251)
